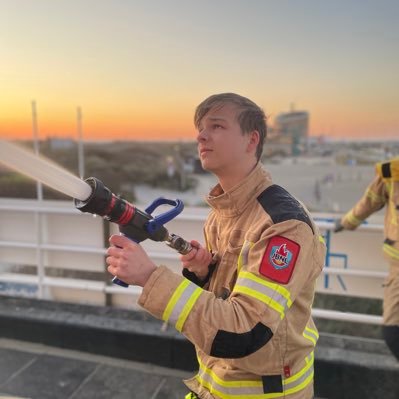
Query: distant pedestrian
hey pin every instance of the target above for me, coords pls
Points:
(383, 191)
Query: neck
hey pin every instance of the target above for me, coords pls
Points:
(231, 178)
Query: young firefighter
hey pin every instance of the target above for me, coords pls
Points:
(245, 300)
(383, 190)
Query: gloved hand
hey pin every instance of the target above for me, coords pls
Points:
(338, 226)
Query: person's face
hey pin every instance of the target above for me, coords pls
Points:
(221, 144)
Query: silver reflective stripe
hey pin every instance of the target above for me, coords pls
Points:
(311, 335)
(271, 290)
(301, 380)
(181, 302)
(230, 391)
(247, 389)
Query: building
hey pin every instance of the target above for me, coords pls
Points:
(293, 125)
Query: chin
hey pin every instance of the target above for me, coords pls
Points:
(205, 167)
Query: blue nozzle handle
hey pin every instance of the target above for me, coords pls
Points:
(158, 221)
(116, 280)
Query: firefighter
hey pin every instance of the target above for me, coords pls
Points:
(383, 191)
(245, 297)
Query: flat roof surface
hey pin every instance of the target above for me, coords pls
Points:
(37, 371)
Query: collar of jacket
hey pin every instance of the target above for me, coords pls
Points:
(233, 202)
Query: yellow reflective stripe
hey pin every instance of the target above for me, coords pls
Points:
(392, 205)
(311, 335)
(187, 309)
(309, 358)
(303, 384)
(310, 338)
(261, 297)
(375, 197)
(173, 300)
(181, 303)
(232, 384)
(273, 295)
(253, 389)
(312, 331)
(301, 372)
(275, 287)
(352, 219)
(390, 251)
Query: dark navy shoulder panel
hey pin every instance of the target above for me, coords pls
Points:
(282, 206)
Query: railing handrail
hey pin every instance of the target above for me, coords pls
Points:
(101, 286)
(173, 256)
(62, 208)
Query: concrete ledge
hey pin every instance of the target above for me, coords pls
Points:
(346, 367)
(353, 367)
(100, 330)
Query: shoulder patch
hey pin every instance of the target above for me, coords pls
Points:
(279, 259)
(282, 206)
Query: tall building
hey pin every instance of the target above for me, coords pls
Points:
(293, 125)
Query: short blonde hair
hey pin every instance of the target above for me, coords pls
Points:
(250, 116)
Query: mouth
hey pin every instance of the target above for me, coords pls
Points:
(204, 151)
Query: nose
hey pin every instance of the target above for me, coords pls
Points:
(202, 136)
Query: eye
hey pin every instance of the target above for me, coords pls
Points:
(216, 126)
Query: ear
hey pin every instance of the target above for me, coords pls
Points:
(253, 141)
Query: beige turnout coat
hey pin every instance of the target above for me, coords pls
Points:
(251, 322)
(383, 191)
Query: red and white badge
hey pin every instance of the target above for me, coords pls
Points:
(279, 259)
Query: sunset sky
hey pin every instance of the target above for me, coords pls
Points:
(139, 68)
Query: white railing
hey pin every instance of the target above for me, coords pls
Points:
(71, 240)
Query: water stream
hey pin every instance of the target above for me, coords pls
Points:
(43, 170)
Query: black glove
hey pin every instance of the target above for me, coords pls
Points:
(338, 226)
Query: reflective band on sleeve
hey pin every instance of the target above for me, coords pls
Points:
(311, 335)
(392, 205)
(375, 197)
(243, 258)
(273, 295)
(181, 303)
(391, 251)
(253, 389)
(352, 219)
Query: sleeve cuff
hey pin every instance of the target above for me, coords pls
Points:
(158, 290)
(193, 278)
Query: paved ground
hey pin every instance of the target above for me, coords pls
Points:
(36, 371)
(345, 367)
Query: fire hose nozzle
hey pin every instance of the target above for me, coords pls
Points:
(134, 223)
(179, 244)
(99, 199)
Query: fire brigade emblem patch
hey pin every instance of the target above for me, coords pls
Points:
(279, 259)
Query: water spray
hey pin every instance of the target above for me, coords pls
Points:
(92, 196)
(43, 170)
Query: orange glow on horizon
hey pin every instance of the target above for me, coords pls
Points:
(162, 120)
